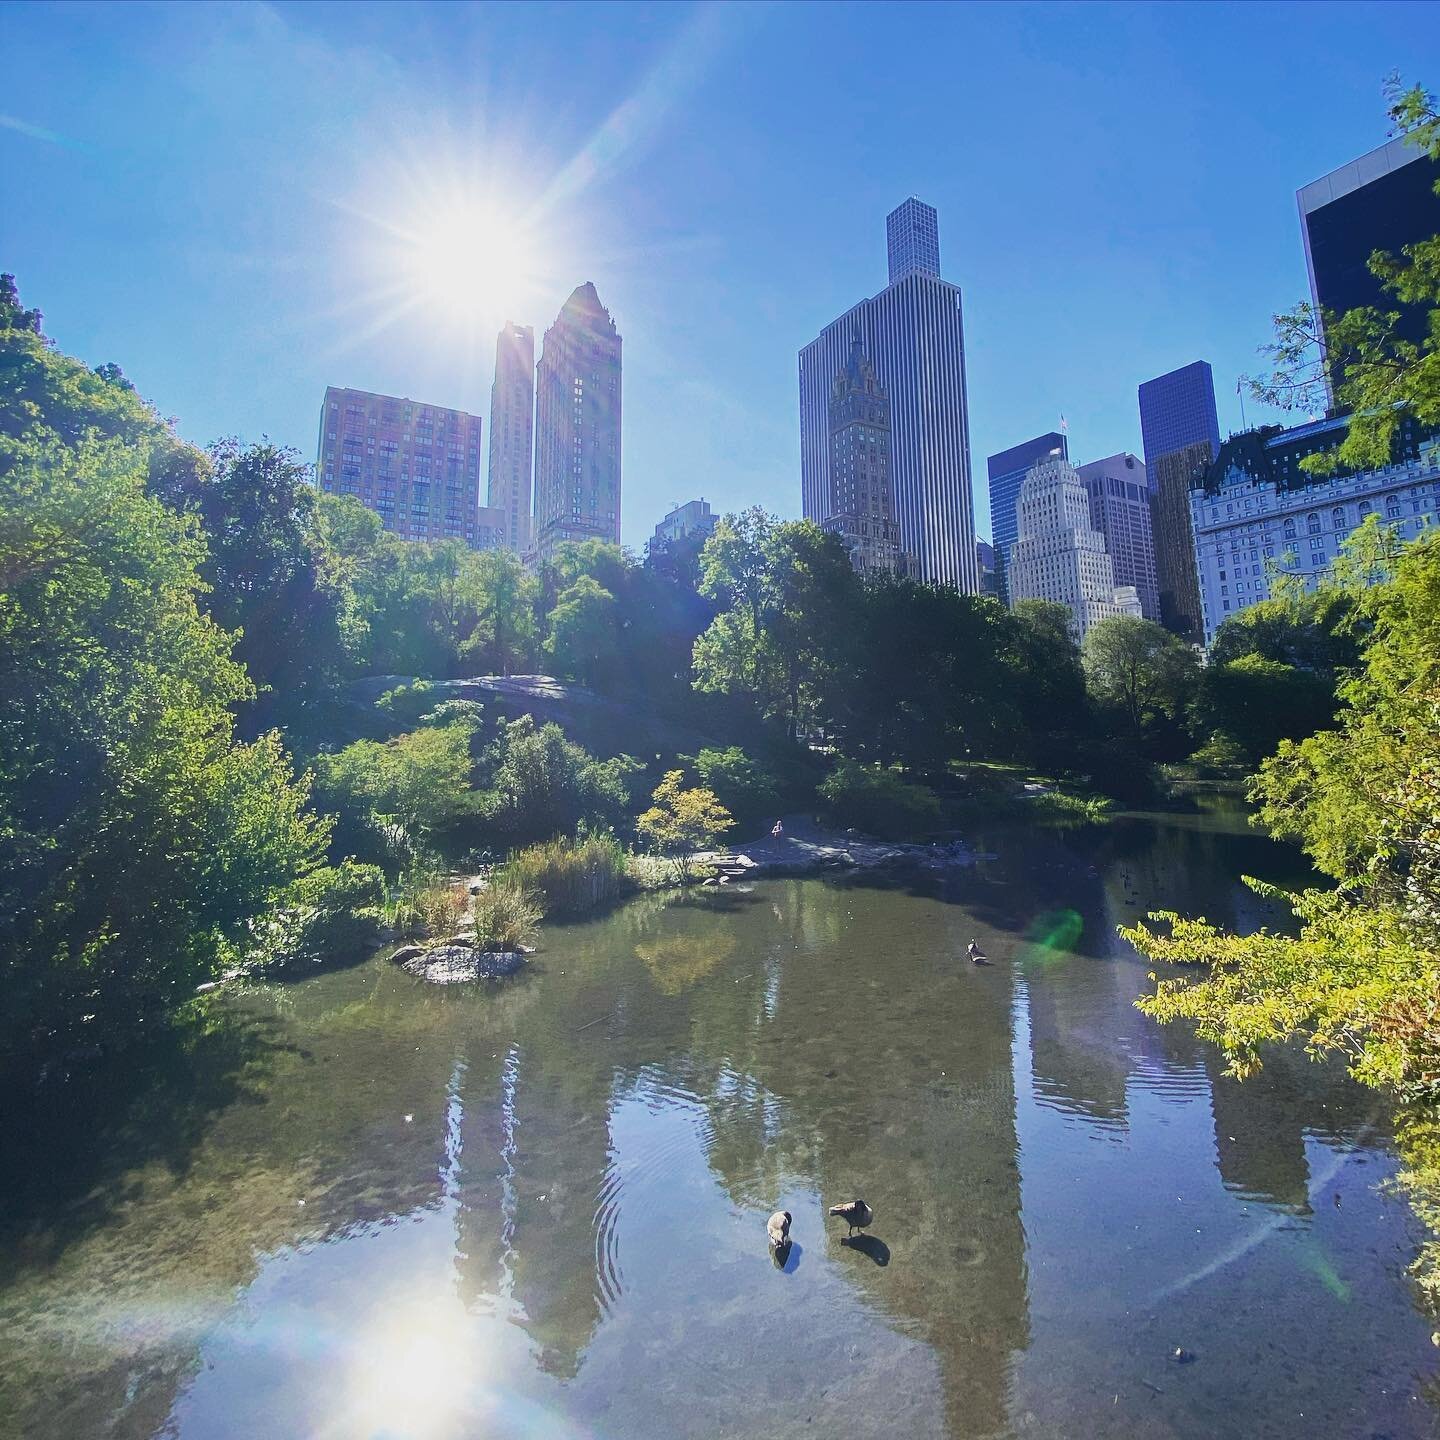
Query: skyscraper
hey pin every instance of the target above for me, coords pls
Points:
(512, 414)
(1177, 418)
(1176, 410)
(1059, 556)
(1382, 201)
(416, 465)
(1120, 511)
(861, 512)
(912, 240)
(577, 426)
(1007, 472)
(913, 334)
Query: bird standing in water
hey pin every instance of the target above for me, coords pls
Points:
(855, 1213)
(777, 1227)
(976, 955)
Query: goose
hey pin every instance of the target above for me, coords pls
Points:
(778, 1228)
(855, 1213)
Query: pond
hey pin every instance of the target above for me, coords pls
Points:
(359, 1206)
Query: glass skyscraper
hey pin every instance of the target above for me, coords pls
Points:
(913, 333)
(1382, 201)
(1180, 431)
(1176, 410)
(912, 240)
(1007, 474)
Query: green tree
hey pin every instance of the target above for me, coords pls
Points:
(1383, 376)
(583, 638)
(1257, 703)
(264, 576)
(740, 782)
(679, 822)
(503, 639)
(1140, 671)
(138, 841)
(541, 785)
(877, 800)
(1364, 799)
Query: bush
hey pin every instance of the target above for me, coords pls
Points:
(571, 877)
(542, 785)
(329, 914)
(740, 783)
(1057, 806)
(505, 916)
(878, 801)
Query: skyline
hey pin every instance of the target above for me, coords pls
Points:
(695, 166)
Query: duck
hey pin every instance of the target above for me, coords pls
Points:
(976, 954)
(777, 1227)
(855, 1213)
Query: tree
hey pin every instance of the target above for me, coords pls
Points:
(504, 635)
(583, 638)
(745, 787)
(1257, 703)
(1139, 670)
(262, 567)
(1383, 376)
(1362, 976)
(138, 841)
(1313, 630)
(679, 822)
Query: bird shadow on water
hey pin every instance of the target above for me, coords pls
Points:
(870, 1245)
(786, 1257)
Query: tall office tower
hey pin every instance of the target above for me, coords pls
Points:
(1177, 412)
(1120, 511)
(1382, 201)
(912, 240)
(416, 465)
(512, 419)
(577, 426)
(1170, 521)
(1059, 555)
(1254, 508)
(913, 334)
(1007, 472)
(861, 509)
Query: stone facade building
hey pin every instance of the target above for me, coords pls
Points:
(861, 506)
(512, 417)
(1059, 555)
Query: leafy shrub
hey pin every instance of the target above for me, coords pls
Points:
(329, 914)
(1057, 806)
(680, 822)
(542, 785)
(741, 784)
(406, 704)
(571, 877)
(878, 801)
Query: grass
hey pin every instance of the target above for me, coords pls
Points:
(1056, 805)
(506, 916)
(427, 906)
(570, 877)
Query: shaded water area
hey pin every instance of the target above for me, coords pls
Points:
(361, 1207)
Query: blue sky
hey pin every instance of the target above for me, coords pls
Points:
(228, 201)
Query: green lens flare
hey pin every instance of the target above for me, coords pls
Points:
(1053, 935)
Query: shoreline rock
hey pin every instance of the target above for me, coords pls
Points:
(450, 964)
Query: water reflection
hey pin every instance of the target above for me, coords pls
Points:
(366, 1207)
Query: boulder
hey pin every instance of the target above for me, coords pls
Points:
(457, 964)
(406, 953)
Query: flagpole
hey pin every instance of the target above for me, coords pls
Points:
(1240, 391)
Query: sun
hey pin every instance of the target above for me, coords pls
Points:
(468, 260)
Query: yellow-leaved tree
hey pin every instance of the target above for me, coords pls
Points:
(679, 822)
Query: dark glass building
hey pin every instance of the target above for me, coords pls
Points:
(1176, 410)
(1383, 201)
(1007, 474)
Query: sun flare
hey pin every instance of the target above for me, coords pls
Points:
(472, 258)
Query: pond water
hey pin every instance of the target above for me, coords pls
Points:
(361, 1207)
